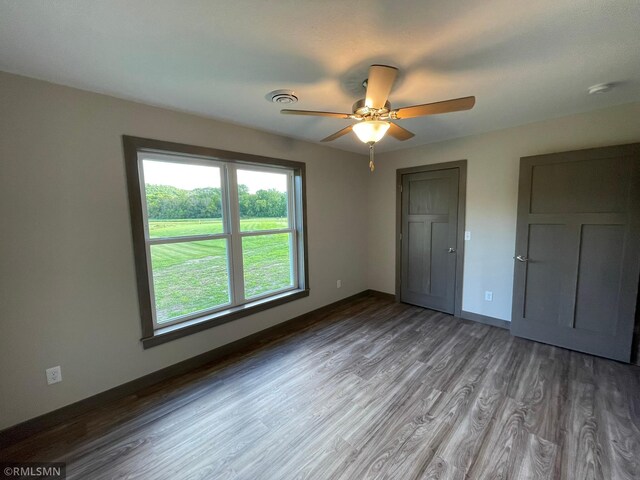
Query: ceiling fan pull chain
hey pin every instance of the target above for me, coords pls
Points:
(372, 167)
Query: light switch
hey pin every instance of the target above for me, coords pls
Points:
(467, 235)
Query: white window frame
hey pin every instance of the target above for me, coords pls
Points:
(238, 234)
(232, 232)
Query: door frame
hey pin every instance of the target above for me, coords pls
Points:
(461, 165)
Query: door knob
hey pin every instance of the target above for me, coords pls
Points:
(451, 250)
(520, 258)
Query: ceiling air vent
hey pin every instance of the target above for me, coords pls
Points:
(282, 97)
(600, 88)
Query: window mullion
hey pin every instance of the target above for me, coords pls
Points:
(236, 238)
(224, 198)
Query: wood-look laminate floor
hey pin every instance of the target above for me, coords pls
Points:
(373, 390)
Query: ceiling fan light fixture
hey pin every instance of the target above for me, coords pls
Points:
(371, 131)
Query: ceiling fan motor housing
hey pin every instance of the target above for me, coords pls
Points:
(359, 108)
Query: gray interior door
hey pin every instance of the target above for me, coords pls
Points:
(578, 250)
(429, 232)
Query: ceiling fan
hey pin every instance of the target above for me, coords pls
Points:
(374, 113)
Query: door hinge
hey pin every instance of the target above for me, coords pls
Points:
(400, 236)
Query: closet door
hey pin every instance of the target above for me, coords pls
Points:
(577, 258)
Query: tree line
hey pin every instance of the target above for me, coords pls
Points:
(166, 202)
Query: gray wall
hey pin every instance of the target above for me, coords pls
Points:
(68, 292)
(492, 187)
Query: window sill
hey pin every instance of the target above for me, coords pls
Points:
(172, 332)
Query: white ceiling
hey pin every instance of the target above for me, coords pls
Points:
(524, 60)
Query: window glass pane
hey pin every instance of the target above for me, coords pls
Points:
(189, 277)
(263, 199)
(182, 199)
(267, 263)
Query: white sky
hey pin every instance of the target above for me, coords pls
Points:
(188, 177)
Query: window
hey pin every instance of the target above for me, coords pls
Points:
(217, 235)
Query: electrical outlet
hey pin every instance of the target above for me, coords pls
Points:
(467, 235)
(339, 284)
(488, 296)
(54, 375)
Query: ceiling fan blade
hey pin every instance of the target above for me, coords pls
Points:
(456, 105)
(379, 83)
(338, 134)
(316, 114)
(399, 133)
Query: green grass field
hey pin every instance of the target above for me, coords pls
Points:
(192, 276)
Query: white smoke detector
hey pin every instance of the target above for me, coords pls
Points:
(282, 97)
